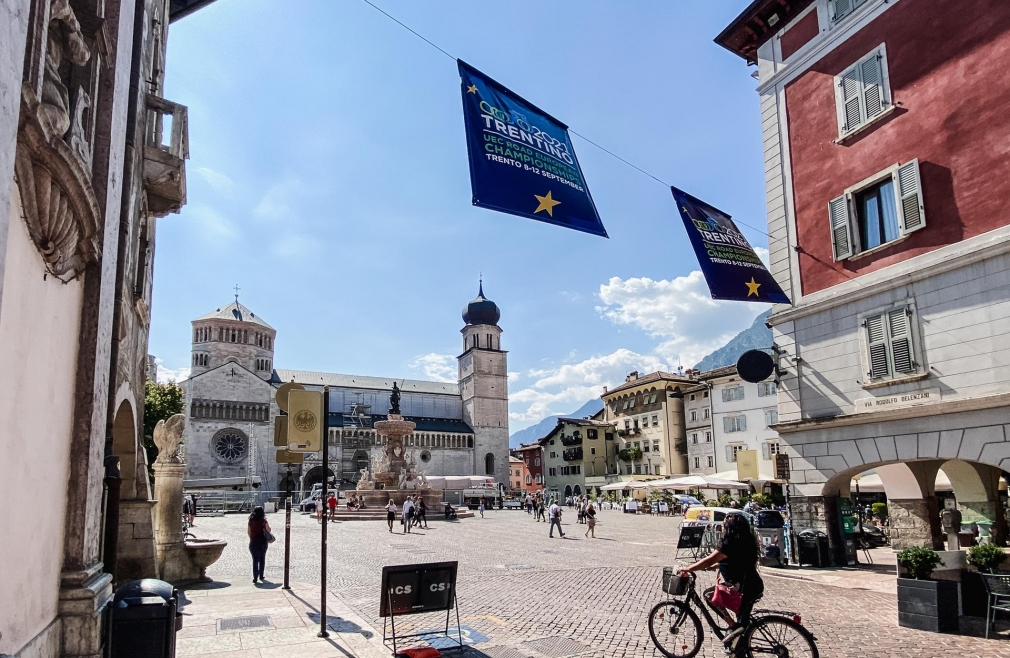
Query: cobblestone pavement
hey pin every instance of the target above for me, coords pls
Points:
(535, 597)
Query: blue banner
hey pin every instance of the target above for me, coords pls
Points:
(731, 268)
(521, 158)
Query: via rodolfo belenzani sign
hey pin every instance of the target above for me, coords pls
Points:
(521, 159)
(730, 265)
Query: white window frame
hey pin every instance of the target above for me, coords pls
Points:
(843, 217)
(842, 9)
(771, 417)
(711, 461)
(708, 437)
(883, 346)
(769, 449)
(863, 93)
(697, 462)
(729, 394)
(766, 389)
(732, 449)
(706, 413)
(731, 423)
(694, 414)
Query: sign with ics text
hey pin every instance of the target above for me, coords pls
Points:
(409, 589)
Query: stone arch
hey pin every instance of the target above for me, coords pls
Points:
(313, 476)
(489, 464)
(577, 491)
(568, 490)
(124, 446)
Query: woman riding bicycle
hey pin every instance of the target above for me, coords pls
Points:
(737, 558)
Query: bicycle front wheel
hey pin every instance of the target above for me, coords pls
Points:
(779, 637)
(675, 629)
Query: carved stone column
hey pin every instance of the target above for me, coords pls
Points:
(174, 564)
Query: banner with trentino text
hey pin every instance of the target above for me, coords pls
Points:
(521, 159)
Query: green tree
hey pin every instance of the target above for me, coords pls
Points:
(161, 402)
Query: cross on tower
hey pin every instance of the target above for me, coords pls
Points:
(236, 292)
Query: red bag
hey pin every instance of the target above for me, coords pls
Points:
(727, 597)
(419, 652)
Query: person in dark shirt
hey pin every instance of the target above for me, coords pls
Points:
(258, 525)
(737, 559)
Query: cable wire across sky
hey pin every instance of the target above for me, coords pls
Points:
(577, 134)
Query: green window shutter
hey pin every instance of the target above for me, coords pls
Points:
(898, 327)
(872, 75)
(909, 192)
(841, 233)
(876, 339)
(851, 112)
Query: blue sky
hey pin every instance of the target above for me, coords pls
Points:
(328, 178)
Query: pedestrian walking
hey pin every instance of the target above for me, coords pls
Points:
(542, 512)
(421, 512)
(408, 514)
(555, 520)
(390, 514)
(257, 529)
(591, 520)
(331, 502)
(482, 508)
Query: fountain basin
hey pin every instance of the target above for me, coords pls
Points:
(203, 553)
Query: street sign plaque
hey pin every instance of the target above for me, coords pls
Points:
(288, 457)
(305, 421)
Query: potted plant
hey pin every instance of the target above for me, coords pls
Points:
(924, 604)
(984, 558)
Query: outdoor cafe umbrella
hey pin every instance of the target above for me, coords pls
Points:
(697, 482)
(620, 486)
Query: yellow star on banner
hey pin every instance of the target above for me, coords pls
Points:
(546, 203)
(472, 89)
(752, 287)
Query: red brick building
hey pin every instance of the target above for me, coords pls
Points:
(887, 166)
(533, 466)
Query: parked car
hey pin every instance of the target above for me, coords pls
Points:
(310, 504)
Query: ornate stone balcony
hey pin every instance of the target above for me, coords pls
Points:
(165, 155)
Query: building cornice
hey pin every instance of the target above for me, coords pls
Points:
(939, 261)
(936, 409)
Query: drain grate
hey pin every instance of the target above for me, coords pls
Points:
(243, 623)
(498, 652)
(557, 647)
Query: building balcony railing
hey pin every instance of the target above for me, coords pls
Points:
(165, 155)
(572, 454)
(574, 440)
(633, 431)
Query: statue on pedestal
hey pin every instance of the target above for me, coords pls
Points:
(394, 401)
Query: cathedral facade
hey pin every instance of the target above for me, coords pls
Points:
(462, 427)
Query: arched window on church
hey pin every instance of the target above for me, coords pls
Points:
(469, 442)
(489, 464)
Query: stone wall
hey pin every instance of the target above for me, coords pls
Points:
(915, 522)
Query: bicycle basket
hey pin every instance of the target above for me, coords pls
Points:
(675, 584)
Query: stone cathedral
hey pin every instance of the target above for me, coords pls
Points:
(462, 428)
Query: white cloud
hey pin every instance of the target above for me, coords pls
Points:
(436, 367)
(219, 182)
(681, 312)
(514, 376)
(213, 225)
(297, 245)
(168, 375)
(276, 203)
(565, 388)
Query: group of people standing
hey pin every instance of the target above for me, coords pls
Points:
(539, 506)
(413, 513)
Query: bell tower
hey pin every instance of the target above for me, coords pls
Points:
(483, 386)
(233, 333)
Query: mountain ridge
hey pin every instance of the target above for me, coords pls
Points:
(540, 429)
(756, 337)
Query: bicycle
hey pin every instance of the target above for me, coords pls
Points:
(770, 633)
(186, 534)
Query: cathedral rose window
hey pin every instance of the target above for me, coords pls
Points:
(230, 445)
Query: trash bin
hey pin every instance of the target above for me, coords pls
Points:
(813, 548)
(145, 617)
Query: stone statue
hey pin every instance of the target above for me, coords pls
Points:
(366, 482)
(167, 436)
(394, 400)
(422, 481)
(403, 479)
(64, 42)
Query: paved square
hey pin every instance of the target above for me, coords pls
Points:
(535, 597)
